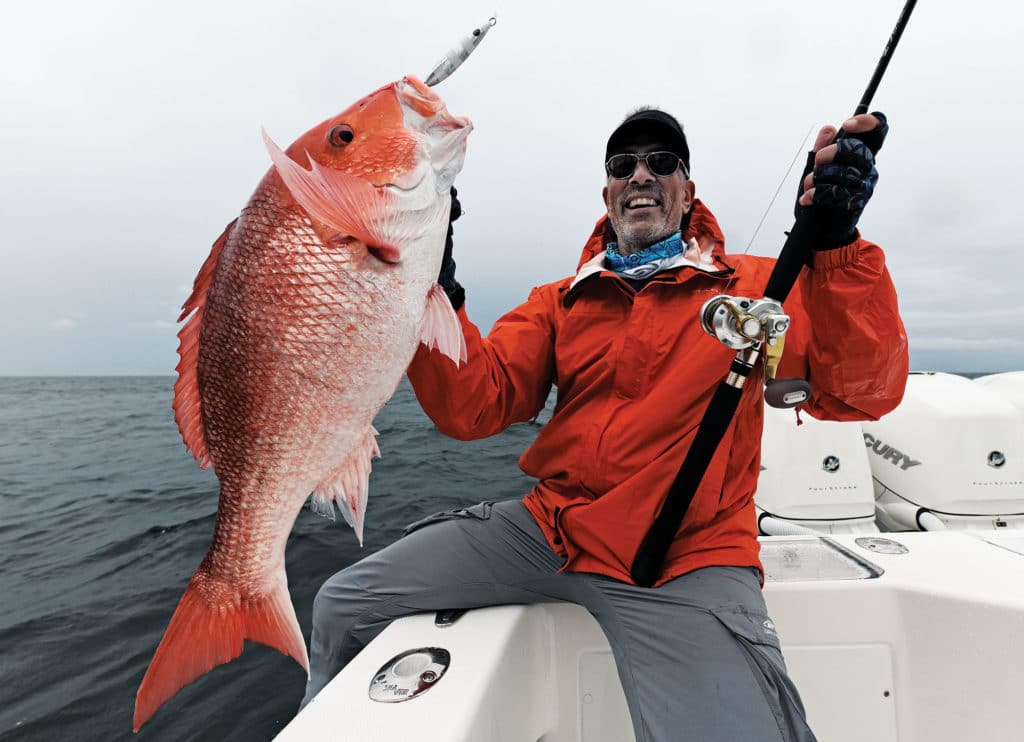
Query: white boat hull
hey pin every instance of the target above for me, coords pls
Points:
(925, 647)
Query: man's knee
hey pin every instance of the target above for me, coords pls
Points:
(339, 596)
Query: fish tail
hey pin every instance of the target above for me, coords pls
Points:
(208, 628)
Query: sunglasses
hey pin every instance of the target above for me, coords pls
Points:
(661, 164)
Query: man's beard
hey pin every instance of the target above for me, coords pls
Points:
(633, 239)
(636, 237)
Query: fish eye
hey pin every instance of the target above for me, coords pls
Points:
(341, 135)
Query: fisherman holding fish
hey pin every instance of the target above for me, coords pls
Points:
(337, 278)
(697, 653)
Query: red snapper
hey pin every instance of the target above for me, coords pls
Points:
(303, 320)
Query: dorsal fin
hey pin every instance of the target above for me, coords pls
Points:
(188, 408)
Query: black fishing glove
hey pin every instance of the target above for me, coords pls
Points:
(843, 187)
(446, 278)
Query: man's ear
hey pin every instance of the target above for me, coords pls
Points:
(604, 196)
(691, 190)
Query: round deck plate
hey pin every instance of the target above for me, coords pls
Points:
(881, 545)
(409, 674)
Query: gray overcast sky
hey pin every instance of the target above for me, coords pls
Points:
(130, 134)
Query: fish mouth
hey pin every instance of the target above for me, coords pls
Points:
(404, 186)
(414, 94)
(434, 119)
(444, 134)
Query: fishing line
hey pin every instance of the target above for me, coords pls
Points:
(785, 177)
(782, 182)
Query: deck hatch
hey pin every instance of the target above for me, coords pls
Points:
(810, 559)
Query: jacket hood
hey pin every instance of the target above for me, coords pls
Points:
(703, 227)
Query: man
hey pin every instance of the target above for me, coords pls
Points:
(622, 341)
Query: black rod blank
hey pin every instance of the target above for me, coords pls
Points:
(883, 63)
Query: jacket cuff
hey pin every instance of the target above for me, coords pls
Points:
(837, 257)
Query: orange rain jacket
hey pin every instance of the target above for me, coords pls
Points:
(635, 372)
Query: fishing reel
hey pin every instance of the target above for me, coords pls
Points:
(740, 323)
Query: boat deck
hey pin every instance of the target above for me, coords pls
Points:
(918, 644)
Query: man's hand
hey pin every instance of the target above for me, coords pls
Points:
(840, 178)
(446, 277)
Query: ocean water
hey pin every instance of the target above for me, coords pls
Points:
(103, 518)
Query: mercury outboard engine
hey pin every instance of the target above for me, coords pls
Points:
(1009, 385)
(814, 475)
(950, 456)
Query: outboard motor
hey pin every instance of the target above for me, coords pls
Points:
(1009, 385)
(815, 477)
(950, 456)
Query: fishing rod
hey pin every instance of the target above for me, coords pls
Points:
(459, 53)
(745, 325)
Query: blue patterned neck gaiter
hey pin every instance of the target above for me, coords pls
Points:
(648, 261)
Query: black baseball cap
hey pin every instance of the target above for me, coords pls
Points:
(654, 123)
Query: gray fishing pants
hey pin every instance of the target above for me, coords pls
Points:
(698, 657)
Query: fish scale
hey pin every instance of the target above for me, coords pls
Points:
(297, 334)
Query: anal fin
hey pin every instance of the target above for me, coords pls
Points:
(348, 486)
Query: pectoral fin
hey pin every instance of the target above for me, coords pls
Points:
(375, 215)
